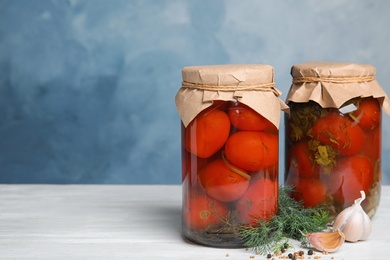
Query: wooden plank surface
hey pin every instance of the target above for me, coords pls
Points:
(126, 222)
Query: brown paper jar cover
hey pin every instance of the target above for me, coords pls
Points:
(331, 84)
(250, 84)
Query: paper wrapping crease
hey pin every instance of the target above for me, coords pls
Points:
(331, 94)
(263, 102)
(237, 81)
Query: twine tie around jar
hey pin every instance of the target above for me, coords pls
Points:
(262, 87)
(334, 79)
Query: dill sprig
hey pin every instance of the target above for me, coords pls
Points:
(292, 221)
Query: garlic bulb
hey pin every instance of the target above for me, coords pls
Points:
(326, 241)
(353, 221)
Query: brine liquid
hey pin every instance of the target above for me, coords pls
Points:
(226, 186)
(332, 154)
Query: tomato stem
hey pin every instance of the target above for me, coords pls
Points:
(234, 169)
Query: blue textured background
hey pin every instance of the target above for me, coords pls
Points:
(87, 87)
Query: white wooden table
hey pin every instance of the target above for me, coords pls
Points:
(127, 222)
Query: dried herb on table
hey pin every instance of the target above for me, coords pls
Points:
(292, 221)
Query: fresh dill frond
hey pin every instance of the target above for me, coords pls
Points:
(262, 237)
(293, 220)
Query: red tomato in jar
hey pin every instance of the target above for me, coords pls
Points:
(191, 165)
(339, 132)
(222, 182)
(252, 150)
(368, 115)
(301, 161)
(245, 118)
(201, 212)
(351, 175)
(372, 144)
(207, 133)
(259, 202)
(311, 191)
(271, 173)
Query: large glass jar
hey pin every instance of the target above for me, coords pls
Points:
(333, 135)
(230, 117)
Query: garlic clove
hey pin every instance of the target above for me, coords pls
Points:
(326, 241)
(351, 228)
(367, 229)
(354, 222)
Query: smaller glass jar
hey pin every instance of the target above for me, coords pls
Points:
(333, 135)
(230, 117)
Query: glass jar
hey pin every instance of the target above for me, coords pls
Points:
(229, 150)
(333, 135)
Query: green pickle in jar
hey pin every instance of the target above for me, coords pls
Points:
(229, 150)
(333, 135)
